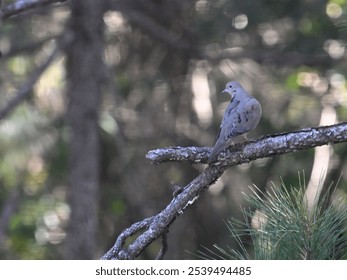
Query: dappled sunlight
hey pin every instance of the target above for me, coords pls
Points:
(312, 80)
(240, 21)
(338, 88)
(276, 32)
(230, 68)
(116, 24)
(335, 48)
(49, 89)
(202, 6)
(333, 10)
(270, 36)
(115, 21)
(19, 65)
(201, 101)
(51, 226)
(113, 55)
(108, 123)
(37, 175)
(321, 160)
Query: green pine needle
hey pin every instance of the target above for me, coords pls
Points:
(284, 228)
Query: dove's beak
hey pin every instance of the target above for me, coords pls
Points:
(228, 91)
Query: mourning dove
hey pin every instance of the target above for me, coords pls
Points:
(241, 116)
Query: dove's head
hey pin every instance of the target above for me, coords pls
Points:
(232, 88)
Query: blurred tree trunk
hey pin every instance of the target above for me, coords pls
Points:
(84, 75)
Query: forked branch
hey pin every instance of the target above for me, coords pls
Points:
(152, 228)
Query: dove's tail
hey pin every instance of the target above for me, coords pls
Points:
(215, 151)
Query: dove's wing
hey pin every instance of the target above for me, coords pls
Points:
(226, 129)
(239, 117)
(248, 116)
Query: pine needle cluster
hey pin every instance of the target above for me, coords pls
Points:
(283, 228)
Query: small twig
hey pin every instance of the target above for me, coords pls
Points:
(26, 88)
(163, 248)
(116, 249)
(176, 189)
(21, 6)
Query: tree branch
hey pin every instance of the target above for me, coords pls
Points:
(164, 247)
(21, 6)
(267, 146)
(26, 88)
(28, 47)
(9, 207)
(116, 249)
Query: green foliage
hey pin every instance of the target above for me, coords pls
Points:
(283, 228)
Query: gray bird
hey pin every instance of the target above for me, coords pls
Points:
(241, 116)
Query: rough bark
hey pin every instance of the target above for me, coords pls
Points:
(266, 146)
(84, 74)
(157, 226)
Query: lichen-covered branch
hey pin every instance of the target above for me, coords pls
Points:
(117, 247)
(267, 146)
(159, 224)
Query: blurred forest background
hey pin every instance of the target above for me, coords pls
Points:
(89, 87)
